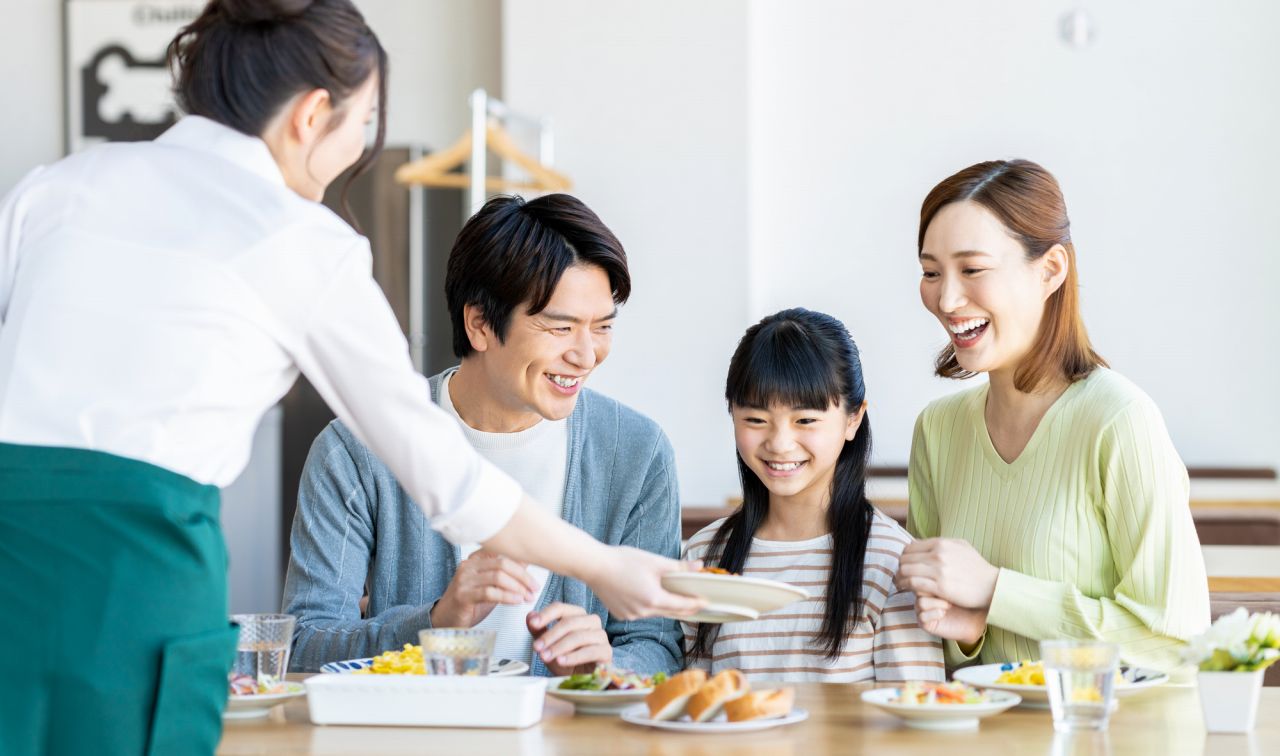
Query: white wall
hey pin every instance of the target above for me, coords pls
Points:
(1160, 134)
(31, 79)
(439, 51)
(650, 104)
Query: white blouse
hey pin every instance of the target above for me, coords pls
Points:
(157, 298)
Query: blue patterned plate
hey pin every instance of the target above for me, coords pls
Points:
(497, 667)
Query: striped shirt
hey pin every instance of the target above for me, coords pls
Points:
(887, 643)
(1090, 525)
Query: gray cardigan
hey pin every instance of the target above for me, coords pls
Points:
(355, 527)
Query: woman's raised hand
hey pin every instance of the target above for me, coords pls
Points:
(949, 569)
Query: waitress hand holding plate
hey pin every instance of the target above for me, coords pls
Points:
(156, 299)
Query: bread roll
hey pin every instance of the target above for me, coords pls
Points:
(710, 698)
(667, 701)
(764, 704)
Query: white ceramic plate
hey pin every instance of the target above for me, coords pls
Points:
(596, 701)
(941, 716)
(497, 667)
(731, 598)
(640, 715)
(258, 704)
(1136, 679)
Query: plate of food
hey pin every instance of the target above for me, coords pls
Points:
(408, 661)
(940, 706)
(1026, 678)
(246, 698)
(689, 702)
(729, 597)
(607, 690)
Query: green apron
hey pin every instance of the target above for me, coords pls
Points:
(113, 588)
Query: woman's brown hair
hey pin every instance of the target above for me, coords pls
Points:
(1027, 200)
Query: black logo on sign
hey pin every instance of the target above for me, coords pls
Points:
(111, 78)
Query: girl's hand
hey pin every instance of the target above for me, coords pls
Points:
(949, 569)
(945, 620)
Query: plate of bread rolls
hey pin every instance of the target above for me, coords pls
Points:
(690, 702)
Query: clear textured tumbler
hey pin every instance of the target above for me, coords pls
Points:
(262, 652)
(1081, 680)
(456, 651)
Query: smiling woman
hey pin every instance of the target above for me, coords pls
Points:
(1050, 500)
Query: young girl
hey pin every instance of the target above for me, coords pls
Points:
(796, 395)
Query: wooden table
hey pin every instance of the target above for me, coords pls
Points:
(1161, 721)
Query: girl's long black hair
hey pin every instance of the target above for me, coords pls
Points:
(807, 360)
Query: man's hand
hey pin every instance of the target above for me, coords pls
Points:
(568, 639)
(482, 581)
(945, 620)
(949, 569)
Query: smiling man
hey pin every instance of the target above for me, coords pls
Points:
(533, 290)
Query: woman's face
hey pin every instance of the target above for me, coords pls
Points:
(338, 149)
(792, 450)
(978, 282)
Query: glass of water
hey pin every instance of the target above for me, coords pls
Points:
(262, 652)
(1081, 679)
(457, 651)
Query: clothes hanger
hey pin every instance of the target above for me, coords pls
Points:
(436, 169)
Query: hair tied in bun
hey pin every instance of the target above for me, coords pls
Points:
(260, 11)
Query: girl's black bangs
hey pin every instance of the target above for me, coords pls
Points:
(784, 366)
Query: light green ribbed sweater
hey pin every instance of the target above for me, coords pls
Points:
(1090, 526)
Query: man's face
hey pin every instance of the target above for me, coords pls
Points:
(547, 356)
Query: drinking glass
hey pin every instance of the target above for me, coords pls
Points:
(1081, 679)
(456, 651)
(262, 652)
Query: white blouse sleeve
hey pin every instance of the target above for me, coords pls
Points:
(355, 355)
(11, 213)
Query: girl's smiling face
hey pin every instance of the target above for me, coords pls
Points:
(793, 450)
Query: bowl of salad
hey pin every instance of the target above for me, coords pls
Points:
(940, 706)
(605, 690)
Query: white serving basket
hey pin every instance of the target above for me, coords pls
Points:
(426, 700)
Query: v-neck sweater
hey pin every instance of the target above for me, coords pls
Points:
(1090, 525)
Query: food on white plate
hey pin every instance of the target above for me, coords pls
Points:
(1030, 673)
(606, 677)
(702, 699)
(248, 685)
(711, 698)
(928, 694)
(668, 700)
(763, 704)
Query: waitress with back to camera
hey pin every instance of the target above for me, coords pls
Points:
(156, 299)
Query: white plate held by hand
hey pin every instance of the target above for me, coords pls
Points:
(640, 715)
(596, 701)
(956, 716)
(732, 598)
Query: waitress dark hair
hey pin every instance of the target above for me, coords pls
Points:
(240, 61)
(803, 359)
